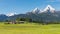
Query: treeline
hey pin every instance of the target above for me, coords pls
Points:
(29, 20)
(37, 21)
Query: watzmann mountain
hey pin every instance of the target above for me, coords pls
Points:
(49, 14)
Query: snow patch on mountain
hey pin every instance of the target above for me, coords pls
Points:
(50, 8)
(36, 10)
(10, 14)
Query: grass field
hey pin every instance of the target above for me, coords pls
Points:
(29, 29)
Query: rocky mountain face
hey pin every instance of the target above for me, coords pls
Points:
(49, 14)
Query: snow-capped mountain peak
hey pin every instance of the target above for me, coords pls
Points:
(10, 14)
(50, 8)
(36, 10)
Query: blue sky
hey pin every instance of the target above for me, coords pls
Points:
(23, 6)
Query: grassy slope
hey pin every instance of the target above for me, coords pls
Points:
(29, 29)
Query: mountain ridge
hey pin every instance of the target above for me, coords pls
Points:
(37, 15)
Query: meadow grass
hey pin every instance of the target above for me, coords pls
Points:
(29, 29)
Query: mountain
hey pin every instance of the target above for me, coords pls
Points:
(10, 14)
(35, 11)
(3, 17)
(49, 14)
(49, 8)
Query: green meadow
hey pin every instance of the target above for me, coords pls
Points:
(29, 28)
